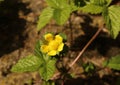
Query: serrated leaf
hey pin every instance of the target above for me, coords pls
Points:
(37, 51)
(29, 63)
(108, 2)
(57, 4)
(101, 2)
(112, 20)
(113, 63)
(45, 17)
(91, 8)
(48, 83)
(47, 70)
(74, 6)
(52, 3)
(62, 15)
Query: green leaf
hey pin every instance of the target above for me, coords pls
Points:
(47, 70)
(95, 6)
(91, 8)
(113, 63)
(29, 63)
(37, 51)
(52, 3)
(1, 0)
(101, 2)
(74, 7)
(63, 36)
(108, 2)
(48, 83)
(112, 20)
(45, 17)
(57, 4)
(62, 15)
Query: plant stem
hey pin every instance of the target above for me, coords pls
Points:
(85, 47)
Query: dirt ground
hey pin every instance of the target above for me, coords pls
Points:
(18, 35)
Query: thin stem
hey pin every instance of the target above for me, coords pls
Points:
(81, 52)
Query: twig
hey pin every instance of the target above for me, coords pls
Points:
(81, 52)
(57, 75)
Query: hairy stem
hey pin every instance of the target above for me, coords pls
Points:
(85, 47)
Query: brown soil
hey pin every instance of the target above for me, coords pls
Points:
(18, 35)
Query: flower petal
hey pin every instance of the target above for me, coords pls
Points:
(52, 53)
(53, 45)
(60, 48)
(48, 37)
(58, 38)
(44, 48)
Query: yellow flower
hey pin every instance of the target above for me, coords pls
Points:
(60, 48)
(48, 37)
(52, 53)
(54, 45)
(44, 48)
(58, 38)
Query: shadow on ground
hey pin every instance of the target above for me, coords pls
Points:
(11, 26)
(103, 43)
(94, 80)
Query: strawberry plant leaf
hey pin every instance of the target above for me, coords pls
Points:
(45, 17)
(112, 20)
(63, 36)
(101, 2)
(52, 3)
(73, 6)
(95, 6)
(29, 63)
(108, 2)
(1, 0)
(91, 8)
(113, 63)
(37, 51)
(62, 15)
(48, 83)
(57, 4)
(47, 70)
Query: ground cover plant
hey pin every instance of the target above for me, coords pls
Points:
(52, 47)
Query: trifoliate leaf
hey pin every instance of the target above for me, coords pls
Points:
(62, 15)
(45, 17)
(29, 63)
(112, 20)
(47, 70)
(113, 63)
(91, 8)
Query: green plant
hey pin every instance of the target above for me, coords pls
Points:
(1, 1)
(60, 11)
(48, 51)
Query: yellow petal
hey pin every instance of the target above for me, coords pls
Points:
(53, 45)
(44, 48)
(52, 53)
(60, 48)
(48, 37)
(58, 38)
